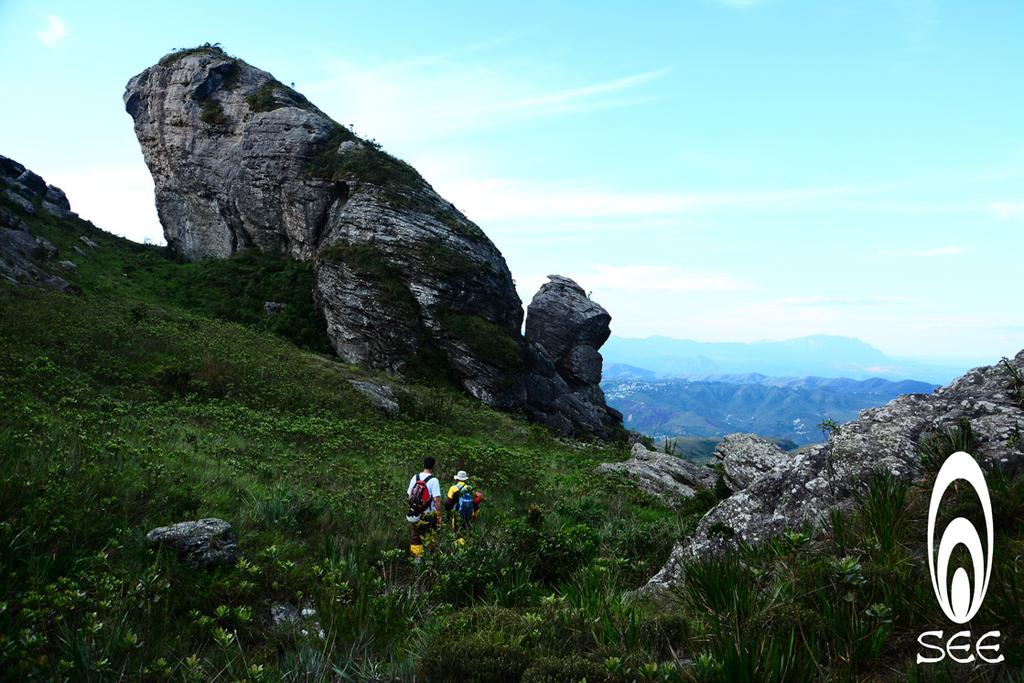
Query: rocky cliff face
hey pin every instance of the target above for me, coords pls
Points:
(26, 258)
(404, 279)
(783, 491)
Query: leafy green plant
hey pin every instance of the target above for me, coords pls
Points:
(1015, 384)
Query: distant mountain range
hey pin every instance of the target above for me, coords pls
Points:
(818, 356)
(778, 407)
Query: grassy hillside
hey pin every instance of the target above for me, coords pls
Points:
(161, 394)
(136, 404)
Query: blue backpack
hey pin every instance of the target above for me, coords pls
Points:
(463, 505)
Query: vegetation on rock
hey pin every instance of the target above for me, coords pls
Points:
(364, 160)
(486, 341)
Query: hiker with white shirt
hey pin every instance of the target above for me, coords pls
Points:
(425, 511)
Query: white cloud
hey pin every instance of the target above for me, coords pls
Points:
(841, 301)
(929, 252)
(53, 33)
(644, 278)
(1006, 210)
(115, 198)
(430, 97)
(495, 200)
(937, 251)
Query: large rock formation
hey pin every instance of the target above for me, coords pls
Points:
(564, 330)
(405, 281)
(25, 258)
(804, 487)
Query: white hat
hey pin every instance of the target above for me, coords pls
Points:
(461, 476)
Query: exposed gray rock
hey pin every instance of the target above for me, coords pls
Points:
(272, 307)
(68, 265)
(204, 543)
(405, 281)
(564, 330)
(285, 615)
(379, 395)
(20, 201)
(9, 220)
(20, 254)
(24, 189)
(23, 256)
(668, 477)
(88, 242)
(886, 439)
(745, 457)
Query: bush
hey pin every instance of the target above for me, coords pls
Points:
(473, 657)
(211, 113)
(263, 99)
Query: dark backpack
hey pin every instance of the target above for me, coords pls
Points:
(419, 497)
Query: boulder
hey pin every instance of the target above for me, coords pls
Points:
(203, 543)
(564, 330)
(745, 457)
(379, 395)
(667, 477)
(805, 488)
(273, 307)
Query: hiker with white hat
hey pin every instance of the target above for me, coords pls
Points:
(464, 503)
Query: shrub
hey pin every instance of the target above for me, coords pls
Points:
(263, 99)
(211, 113)
(473, 657)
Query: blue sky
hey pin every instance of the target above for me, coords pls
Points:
(714, 170)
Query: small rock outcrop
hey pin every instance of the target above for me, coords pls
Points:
(203, 543)
(24, 257)
(746, 457)
(804, 488)
(405, 281)
(379, 395)
(667, 477)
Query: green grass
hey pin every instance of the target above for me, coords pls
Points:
(138, 404)
(486, 340)
(161, 393)
(264, 98)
